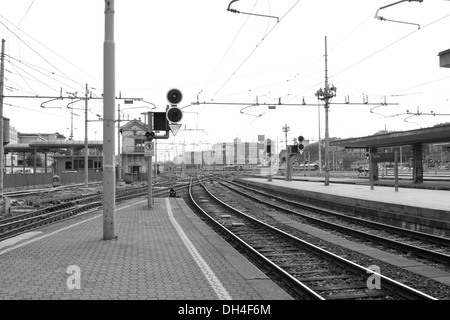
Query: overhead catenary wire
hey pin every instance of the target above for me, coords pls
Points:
(18, 24)
(228, 50)
(40, 55)
(300, 93)
(50, 75)
(54, 52)
(251, 53)
(391, 44)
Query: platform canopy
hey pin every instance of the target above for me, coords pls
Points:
(437, 134)
(43, 146)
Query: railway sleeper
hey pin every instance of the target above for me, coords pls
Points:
(282, 254)
(303, 273)
(322, 278)
(340, 287)
(270, 248)
(357, 295)
(297, 264)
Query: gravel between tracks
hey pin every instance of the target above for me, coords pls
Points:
(429, 286)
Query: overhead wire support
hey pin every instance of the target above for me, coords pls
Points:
(256, 47)
(250, 13)
(418, 113)
(254, 104)
(392, 4)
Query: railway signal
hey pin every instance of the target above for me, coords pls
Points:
(150, 135)
(160, 122)
(174, 96)
(300, 145)
(174, 114)
(269, 147)
(269, 154)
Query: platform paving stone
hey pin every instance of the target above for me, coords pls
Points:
(148, 260)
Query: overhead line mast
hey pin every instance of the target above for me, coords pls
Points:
(109, 82)
(2, 74)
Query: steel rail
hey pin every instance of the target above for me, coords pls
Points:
(429, 254)
(15, 228)
(390, 284)
(293, 283)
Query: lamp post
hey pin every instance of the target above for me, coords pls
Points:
(286, 130)
(325, 95)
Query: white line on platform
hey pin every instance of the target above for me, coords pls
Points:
(11, 241)
(215, 283)
(56, 231)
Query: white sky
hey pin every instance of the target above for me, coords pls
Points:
(202, 49)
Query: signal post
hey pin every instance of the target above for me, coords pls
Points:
(292, 151)
(161, 121)
(149, 151)
(269, 154)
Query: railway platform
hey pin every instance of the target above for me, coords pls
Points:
(426, 210)
(166, 253)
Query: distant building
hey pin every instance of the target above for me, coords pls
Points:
(13, 139)
(236, 153)
(132, 159)
(55, 151)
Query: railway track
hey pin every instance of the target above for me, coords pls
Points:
(28, 192)
(420, 244)
(22, 223)
(310, 271)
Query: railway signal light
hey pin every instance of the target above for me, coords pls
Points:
(174, 114)
(300, 145)
(269, 147)
(150, 135)
(174, 96)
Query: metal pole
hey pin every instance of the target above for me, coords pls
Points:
(109, 82)
(149, 170)
(327, 141)
(272, 151)
(288, 162)
(71, 127)
(396, 170)
(319, 146)
(86, 146)
(2, 74)
(156, 158)
(119, 157)
(371, 170)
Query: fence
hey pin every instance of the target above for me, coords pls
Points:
(35, 180)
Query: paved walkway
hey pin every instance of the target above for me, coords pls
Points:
(425, 198)
(165, 253)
